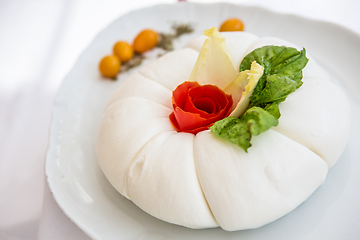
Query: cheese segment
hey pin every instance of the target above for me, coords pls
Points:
(317, 115)
(162, 180)
(171, 69)
(126, 126)
(139, 86)
(248, 190)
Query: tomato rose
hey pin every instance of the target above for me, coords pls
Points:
(196, 107)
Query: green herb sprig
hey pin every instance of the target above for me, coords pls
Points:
(282, 76)
(166, 39)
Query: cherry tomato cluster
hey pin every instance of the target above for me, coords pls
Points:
(146, 40)
(123, 52)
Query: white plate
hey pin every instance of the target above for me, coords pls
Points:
(86, 197)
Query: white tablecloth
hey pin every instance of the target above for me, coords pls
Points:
(39, 42)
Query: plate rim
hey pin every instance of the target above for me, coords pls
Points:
(53, 121)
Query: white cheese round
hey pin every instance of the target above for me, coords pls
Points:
(203, 181)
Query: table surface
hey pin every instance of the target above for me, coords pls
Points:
(39, 43)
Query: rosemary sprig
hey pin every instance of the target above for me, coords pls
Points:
(135, 61)
(182, 29)
(166, 39)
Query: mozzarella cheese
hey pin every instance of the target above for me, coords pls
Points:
(203, 181)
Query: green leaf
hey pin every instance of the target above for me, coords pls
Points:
(259, 120)
(261, 56)
(292, 66)
(281, 76)
(239, 131)
(282, 72)
(273, 109)
(277, 88)
(234, 130)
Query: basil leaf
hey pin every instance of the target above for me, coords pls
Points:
(271, 54)
(239, 131)
(258, 120)
(234, 130)
(273, 109)
(277, 88)
(282, 72)
(282, 76)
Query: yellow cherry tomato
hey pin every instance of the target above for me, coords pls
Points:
(146, 40)
(110, 66)
(123, 51)
(232, 24)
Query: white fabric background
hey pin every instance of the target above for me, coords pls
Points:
(40, 40)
